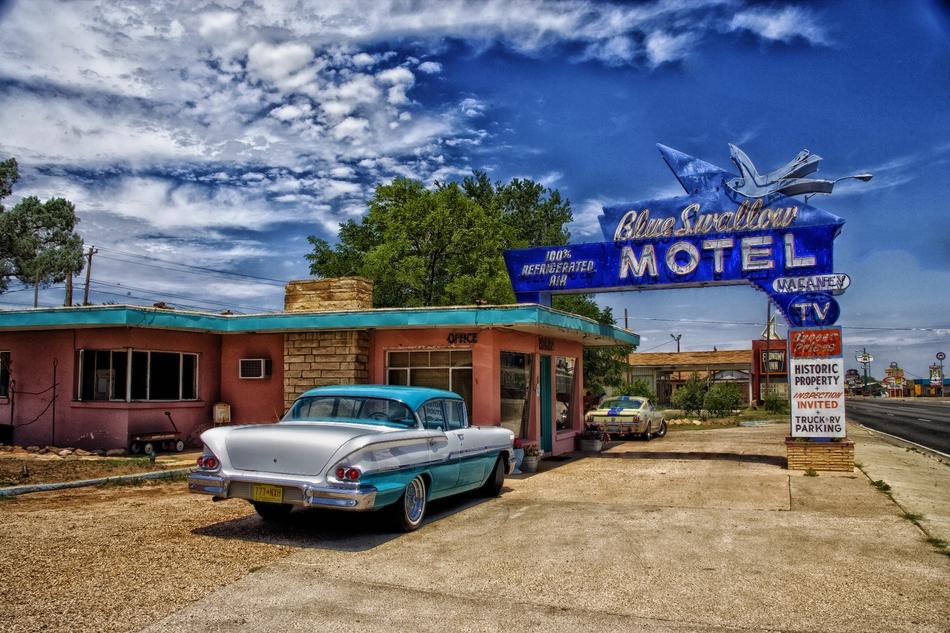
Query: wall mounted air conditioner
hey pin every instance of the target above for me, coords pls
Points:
(255, 368)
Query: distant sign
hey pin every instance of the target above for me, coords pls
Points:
(864, 359)
(941, 356)
(936, 379)
(816, 380)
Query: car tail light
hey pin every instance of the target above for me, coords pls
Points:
(347, 474)
(208, 462)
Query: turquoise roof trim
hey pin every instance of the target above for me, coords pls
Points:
(381, 318)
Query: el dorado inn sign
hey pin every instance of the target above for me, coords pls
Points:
(726, 230)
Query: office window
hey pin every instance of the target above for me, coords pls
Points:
(440, 369)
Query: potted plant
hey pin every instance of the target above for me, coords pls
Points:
(517, 455)
(593, 438)
(532, 454)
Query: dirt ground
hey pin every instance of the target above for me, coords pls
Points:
(54, 469)
(116, 558)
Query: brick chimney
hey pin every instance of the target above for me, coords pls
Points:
(328, 295)
(322, 357)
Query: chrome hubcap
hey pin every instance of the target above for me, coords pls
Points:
(415, 500)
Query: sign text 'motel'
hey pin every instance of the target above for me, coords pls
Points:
(726, 230)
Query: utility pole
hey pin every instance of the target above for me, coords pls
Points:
(864, 354)
(69, 289)
(85, 293)
(768, 346)
(677, 337)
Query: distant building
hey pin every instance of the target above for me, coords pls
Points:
(665, 372)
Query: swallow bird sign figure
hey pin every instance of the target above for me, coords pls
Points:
(727, 229)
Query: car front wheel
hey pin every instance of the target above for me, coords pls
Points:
(496, 480)
(411, 507)
(662, 430)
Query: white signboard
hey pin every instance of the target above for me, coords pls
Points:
(816, 382)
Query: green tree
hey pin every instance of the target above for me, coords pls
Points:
(690, 396)
(722, 399)
(443, 246)
(421, 247)
(38, 240)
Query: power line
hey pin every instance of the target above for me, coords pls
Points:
(163, 293)
(193, 267)
(847, 327)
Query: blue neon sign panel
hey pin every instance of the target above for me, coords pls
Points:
(713, 235)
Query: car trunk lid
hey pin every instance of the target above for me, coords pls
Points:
(290, 449)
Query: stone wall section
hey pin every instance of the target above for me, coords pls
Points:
(328, 295)
(830, 456)
(315, 359)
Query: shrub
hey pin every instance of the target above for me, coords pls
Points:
(774, 403)
(690, 396)
(638, 387)
(722, 399)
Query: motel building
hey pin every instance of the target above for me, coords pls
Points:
(94, 377)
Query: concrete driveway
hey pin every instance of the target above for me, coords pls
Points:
(699, 531)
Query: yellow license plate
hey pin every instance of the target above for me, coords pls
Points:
(268, 494)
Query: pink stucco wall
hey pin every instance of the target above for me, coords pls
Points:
(486, 372)
(258, 400)
(97, 424)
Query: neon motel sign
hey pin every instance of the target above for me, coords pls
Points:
(726, 230)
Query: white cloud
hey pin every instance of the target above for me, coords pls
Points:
(662, 47)
(430, 68)
(781, 25)
(472, 107)
(215, 24)
(278, 62)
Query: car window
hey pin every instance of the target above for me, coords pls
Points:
(622, 404)
(355, 408)
(454, 413)
(433, 416)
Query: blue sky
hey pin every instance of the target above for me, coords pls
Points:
(221, 134)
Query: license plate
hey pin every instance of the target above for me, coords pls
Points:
(267, 494)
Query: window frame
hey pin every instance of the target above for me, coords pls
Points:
(129, 351)
(452, 369)
(5, 373)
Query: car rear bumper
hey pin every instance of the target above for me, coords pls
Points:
(294, 492)
(623, 427)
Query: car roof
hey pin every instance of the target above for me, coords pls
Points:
(414, 397)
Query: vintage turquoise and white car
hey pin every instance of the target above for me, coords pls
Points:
(628, 415)
(356, 447)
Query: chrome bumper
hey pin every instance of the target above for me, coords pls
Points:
(625, 427)
(355, 497)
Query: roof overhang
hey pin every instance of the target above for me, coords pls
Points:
(528, 318)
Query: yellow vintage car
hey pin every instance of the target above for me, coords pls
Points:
(628, 415)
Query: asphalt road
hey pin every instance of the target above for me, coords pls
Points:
(921, 421)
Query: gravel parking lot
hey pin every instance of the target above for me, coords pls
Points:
(115, 558)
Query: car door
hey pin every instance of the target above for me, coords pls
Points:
(445, 449)
(472, 457)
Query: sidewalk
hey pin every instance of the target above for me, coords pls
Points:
(920, 482)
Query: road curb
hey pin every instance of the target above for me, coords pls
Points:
(115, 479)
(920, 447)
